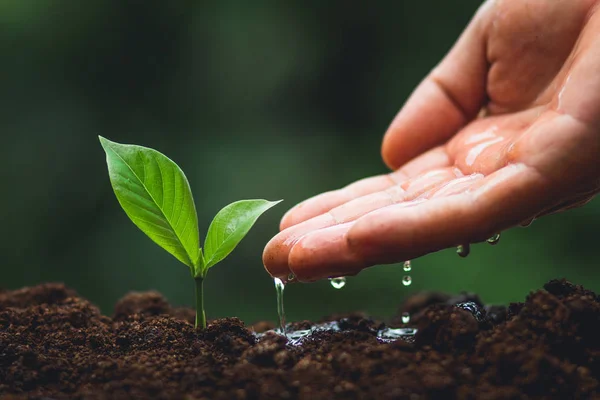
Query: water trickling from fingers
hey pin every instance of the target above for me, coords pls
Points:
(279, 287)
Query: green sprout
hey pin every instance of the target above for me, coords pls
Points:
(156, 196)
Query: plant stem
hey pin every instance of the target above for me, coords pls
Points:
(200, 316)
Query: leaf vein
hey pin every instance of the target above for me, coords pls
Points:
(145, 221)
(162, 183)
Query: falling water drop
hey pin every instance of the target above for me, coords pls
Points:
(291, 277)
(338, 282)
(407, 266)
(279, 287)
(494, 239)
(406, 280)
(463, 250)
(405, 318)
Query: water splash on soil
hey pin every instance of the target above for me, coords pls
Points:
(472, 307)
(384, 335)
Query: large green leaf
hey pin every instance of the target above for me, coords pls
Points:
(230, 226)
(156, 196)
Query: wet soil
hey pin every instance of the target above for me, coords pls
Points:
(56, 345)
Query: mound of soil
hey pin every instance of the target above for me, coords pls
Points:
(56, 345)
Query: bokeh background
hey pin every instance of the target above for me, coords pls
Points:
(253, 100)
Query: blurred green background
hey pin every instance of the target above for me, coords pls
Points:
(253, 100)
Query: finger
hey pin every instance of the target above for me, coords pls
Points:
(449, 97)
(435, 158)
(397, 233)
(325, 253)
(276, 253)
(579, 95)
(323, 263)
(574, 202)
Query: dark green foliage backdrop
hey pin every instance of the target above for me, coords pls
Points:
(280, 100)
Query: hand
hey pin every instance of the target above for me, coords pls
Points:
(463, 174)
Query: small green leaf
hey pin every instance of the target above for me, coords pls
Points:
(230, 226)
(156, 196)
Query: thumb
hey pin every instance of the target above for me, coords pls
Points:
(449, 97)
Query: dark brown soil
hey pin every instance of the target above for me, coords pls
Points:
(56, 345)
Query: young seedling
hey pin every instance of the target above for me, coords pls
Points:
(156, 196)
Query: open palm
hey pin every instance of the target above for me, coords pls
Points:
(505, 129)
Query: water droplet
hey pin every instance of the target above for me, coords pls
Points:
(527, 223)
(291, 277)
(494, 239)
(338, 282)
(279, 287)
(406, 280)
(407, 266)
(405, 318)
(463, 250)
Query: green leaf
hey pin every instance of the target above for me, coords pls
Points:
(156, 196)
(230, 226)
